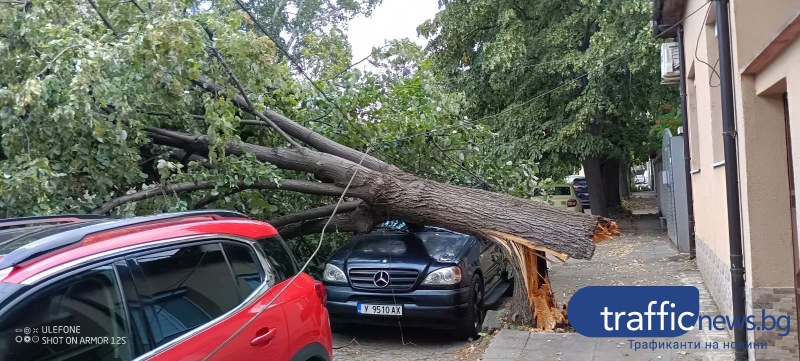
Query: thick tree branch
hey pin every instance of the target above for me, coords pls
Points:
(357, 221)
(325, 145)
(322, 165)
(401, 195)
(314, 213)
(299, 132)
(288, 184)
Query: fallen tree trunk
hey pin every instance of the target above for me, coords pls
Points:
(487, 214)
(524, 228)
(401, 195)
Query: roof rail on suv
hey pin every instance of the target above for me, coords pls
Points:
(75, 235)
(63, 218)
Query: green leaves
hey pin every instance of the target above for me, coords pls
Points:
(551, 69)
(77, 97)
(29, 185)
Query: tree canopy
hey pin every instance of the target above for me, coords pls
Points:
(82, 84)
(144, 106)
(571, 80)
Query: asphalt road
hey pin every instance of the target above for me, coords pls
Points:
(388, 343)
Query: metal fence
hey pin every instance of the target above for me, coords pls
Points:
(671, 188)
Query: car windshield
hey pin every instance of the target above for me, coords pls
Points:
(443, 246)
(393, 224)
(387, 245)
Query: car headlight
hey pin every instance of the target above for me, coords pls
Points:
(333, 274)
(444, 276)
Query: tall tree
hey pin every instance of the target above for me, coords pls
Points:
(134, 107)
(577, 79)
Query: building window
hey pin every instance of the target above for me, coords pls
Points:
(711, 72)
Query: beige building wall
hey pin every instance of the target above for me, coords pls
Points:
(762, 144)
(708, 173)
(762, 155)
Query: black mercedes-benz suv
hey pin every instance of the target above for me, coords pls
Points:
(420, 276)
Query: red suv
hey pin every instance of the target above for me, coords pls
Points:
(163, 287)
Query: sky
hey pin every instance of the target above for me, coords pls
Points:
(392, 19)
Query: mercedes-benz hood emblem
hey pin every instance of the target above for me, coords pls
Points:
(381, 279)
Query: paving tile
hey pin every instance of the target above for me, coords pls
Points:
(641, 256)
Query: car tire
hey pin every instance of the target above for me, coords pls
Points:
(472, 322)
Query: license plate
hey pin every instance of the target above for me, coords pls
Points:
(381, 310)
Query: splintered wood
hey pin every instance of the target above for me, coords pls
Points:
(540, 294)
(605, 230)
(533, 267)
(532, 263)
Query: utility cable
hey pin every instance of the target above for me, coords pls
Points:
(697, 46)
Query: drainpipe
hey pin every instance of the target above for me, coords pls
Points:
(687, 160)
(731, 175)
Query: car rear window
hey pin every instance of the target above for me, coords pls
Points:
(555, 191)
(579, 183)
(9, 290)
(187, 287)
(279, 257)
(246, 268)
(561, 191)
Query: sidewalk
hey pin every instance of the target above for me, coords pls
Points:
(644, 203)
(641, 256)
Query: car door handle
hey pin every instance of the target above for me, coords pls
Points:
(266, 335)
